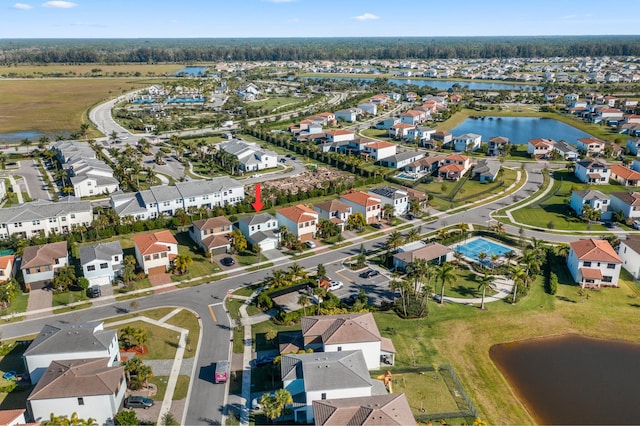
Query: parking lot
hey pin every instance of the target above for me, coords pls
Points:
(376, 288)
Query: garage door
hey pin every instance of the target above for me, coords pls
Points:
(158, 270)
(219, 250)
(104, 280)
(269, 245)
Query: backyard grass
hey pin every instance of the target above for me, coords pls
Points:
(201, 265)
(553, 211)
(54, 106)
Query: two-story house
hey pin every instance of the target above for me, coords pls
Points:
(66, 340)
(212, 234)
(591, 145)
(388, 410)
(378, 149)
(300, 220)
(366, 204)
(454, 166)
(467, 142)
(592, 198)
(401, 159)
(540, 147)
(497, 145)
(334, 210)
(396, 197)
(594, 263)
(593, 172)
(251, 157)
(629, 252)
(261, 229)
(626, 202)
(349, 115)
(7, 263)
(39, 263)
(101, 263)
(155, 251)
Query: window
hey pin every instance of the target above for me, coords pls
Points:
(116, 258)
(91, 268)
(147, 258)
(339, 348)
(323, 395)
(164, 254)
(607, 279)
(104, 265)
(611, 266)
(35, 222)
(80, 401)
(73, 215)
(156, 256)
(586, 264)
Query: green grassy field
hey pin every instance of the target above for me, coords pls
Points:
(554, 208)
(82, 70)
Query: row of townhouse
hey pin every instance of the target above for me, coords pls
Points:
(89, 176)
(165, 199)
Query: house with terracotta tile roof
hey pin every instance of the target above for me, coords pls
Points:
(212, 234)
(540, 147)
(366, 204)
(334, 210)
(400, 130)
(13, 417)
(6, 267)
(379, 149)
(339, 135)
(594, 263)
(300, 220)
(497, 144)
(412, 116)
(389, 410)
(39, 263)
(629, 252)
(379, 99)
(155, 251)
(625, 175)
(454, 166)
(92, 388)
(591, 145)
(626, 202)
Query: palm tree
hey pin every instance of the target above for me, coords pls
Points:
(412, 235)
(279, 279)
(297, 272)
(394, 240)
(518, 275)
(445, 274)
(303, 300)
(141, 337)
(563, 250)
(484, 282)
(418, 270)
(388, 211)
(181, 263)
(482, 256)
(397, 285)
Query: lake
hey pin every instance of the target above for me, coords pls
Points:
(444, 84)
(193, 71)
(520, 129)
(18, 136)
(573, 379)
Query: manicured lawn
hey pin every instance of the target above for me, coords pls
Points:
(162, 343)
(273, 103)
(233, 306)
(18, 305)
(465, 286)
(247, 290)
(247, 258)
(187, 319)
(259, 331)
(180, 391)
(554, 209)
(201, 264)
(64, 298)
(376, 133)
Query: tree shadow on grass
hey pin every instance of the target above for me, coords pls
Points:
(465, 291)
(565, 299)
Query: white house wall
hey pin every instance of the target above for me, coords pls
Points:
(370, 350)
(99, 407)
(630, 259)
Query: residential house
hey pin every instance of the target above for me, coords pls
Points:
(497, 145)
(155, 251)
(389, 410)
(348, 332)
(212, 234)
(593, 198)
(101, 263)
(442, 136)
(90, 177)
(7, 263)
(591, 145)
(379, 149)
(401, 159)
(540, 147)
(613, 150)
(91, 388)
(340, 135)
(328, 118)
(334, 210)
(412, 117)
(44, 217)
(454, 166)
(467, 142)
(249, 92)
(261, 229)
(593, 172)
(417, 195)
(379, 99)
(410, 96)
(434, 253)
(594, 263)
(486, 171)
(320, 376)
(368, 108)
(349, 115)
(386, 123)
(39, 263)
(625, 175)
(420, 133)
(67, 340)
(67, 151)
(188, 195)
(635, 166)
(366, 204)
(397, 197)
(13, 417)
(425, 165)
(400, 130)
(626, 202)
(565, 151)
(251, 157)
(300, 220)
(629, 252)
(633, 146)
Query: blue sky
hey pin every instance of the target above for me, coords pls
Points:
(312, 18)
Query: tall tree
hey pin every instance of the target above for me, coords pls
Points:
(484, 282)
(445, 274)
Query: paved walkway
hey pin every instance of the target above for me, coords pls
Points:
(16, 189)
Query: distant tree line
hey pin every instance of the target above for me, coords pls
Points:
(14, 51)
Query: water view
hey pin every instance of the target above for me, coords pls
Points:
(520, 129)
(573, 379)
(17, 136)
(444, 84)
(193, 72)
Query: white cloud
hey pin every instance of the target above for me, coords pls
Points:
(22, 6)
(59, 4)
(366, 17)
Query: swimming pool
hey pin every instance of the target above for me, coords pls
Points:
(405, 176)
(473, 247)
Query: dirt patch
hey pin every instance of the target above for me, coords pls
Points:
(311, 179)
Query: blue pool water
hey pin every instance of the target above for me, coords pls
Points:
(472, 247)
(405, 176)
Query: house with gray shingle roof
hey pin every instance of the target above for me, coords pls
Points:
(251, 156)
(486, 171)
(388, 410)
(101, 263)
(212, 234)
(91, 388)
(60, 340)
(39, 263)
(591, 197)
(327, 375)
(261, 229)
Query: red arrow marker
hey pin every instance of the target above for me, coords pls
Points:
(257, 205)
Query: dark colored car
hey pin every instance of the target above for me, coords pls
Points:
(265, 360)
(94, 292)
(228, 261)
(377, 225)
(369, 273)
(138, 402)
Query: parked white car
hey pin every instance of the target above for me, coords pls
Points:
(335, 285)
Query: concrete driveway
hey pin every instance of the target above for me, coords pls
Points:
(39, 299)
